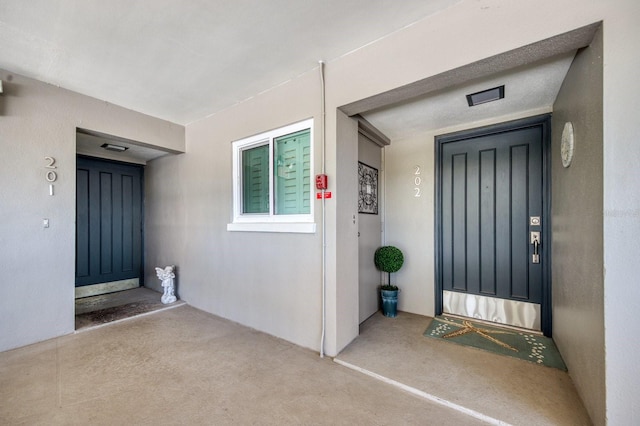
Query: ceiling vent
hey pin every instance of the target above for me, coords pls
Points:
(485, 96)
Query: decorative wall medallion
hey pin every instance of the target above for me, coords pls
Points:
(367, 189)
(567, 144)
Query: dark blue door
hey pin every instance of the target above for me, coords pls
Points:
(108, 221)
(491, 200)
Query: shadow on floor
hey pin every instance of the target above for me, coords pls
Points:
(106, 308)
(504, 389)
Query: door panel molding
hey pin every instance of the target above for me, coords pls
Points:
(109, 221)
(488, 212)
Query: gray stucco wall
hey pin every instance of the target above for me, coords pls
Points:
(409, 219)
(268, 281)
(621, 155)
(38, 265)
(577, 219)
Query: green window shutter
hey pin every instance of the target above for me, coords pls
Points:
(255, 180)
(292, 172)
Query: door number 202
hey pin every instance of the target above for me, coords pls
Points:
(417, 180)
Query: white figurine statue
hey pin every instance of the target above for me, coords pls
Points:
(167, 276)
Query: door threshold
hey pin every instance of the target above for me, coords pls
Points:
(108, 287)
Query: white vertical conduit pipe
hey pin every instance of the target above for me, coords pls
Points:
(324, 230)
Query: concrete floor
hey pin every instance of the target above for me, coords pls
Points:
(152, 369)
(503, 388)
(184, 366)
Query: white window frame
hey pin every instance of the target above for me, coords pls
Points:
(270, 222)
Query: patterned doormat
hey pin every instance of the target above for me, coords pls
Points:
(525, 345)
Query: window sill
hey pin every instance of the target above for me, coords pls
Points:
(295, 228)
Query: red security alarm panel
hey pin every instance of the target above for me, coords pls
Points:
(321, 182)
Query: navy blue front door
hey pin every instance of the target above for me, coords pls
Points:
(491, 198)
(108, 221)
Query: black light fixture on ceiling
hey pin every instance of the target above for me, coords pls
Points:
(112, 147)
(485, 96)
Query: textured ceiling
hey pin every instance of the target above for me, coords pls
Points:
(529, 88)
(184, 60)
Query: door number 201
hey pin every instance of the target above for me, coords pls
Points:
(50, 175)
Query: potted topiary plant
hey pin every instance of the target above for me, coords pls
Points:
(389, 259)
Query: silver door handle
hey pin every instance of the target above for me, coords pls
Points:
(535, 240)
